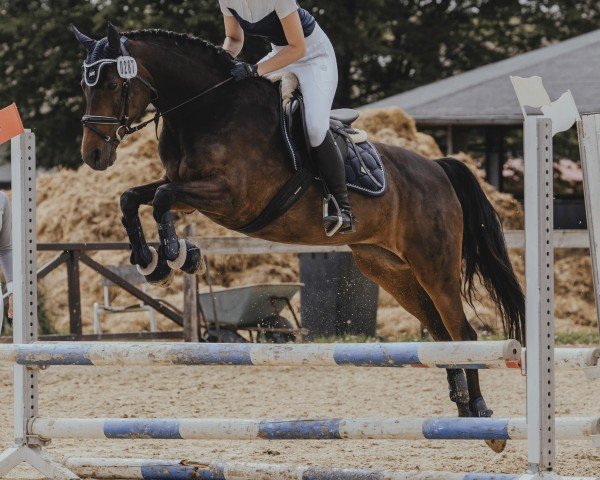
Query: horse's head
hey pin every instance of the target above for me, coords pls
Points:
(114, 100)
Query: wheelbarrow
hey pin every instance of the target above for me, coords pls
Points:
(255, 309)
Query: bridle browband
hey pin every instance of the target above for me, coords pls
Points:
(125, 129)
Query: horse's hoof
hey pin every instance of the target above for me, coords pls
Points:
(162, 275)
(189, 260)
(497, 446)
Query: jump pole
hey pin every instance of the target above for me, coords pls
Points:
(110, 468)
(577, 428)
(469, 355)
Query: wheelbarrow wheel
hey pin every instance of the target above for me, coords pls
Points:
(227, 336)
(276, 321)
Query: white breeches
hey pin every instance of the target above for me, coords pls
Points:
(318, 76)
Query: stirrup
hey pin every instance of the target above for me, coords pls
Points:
(340, 220)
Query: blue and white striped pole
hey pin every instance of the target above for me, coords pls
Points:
(505, 354)
(577, 428)
(107, 468)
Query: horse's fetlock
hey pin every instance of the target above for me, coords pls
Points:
(479, 408)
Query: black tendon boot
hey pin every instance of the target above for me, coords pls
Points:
(331, 167)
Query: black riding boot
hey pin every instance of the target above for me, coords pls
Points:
(331, 167)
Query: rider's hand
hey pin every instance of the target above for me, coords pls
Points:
(10, 306)
(243, 70)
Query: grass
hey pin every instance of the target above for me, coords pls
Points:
(580, 337)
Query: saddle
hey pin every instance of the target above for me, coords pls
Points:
(364, 169)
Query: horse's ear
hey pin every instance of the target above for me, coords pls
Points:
(86, 41)
(114, 39)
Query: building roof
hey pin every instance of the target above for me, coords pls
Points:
(485, 96)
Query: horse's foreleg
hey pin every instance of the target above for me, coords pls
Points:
(141, 253)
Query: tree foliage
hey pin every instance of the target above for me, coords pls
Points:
(384, 47)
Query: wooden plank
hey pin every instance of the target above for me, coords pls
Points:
(93, 246)
(133, 336)
(52, 264)
(515, 239)
(253, 246)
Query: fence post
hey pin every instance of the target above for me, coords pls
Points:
(589, 145)
(190, 300)
(75, 321)
(539, 298)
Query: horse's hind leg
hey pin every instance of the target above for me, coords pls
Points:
(386, 269)
(440, 278)
(397, 278)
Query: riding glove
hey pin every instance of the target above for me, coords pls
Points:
(243, 70)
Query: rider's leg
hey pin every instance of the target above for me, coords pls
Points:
(318, 80)
(331, 167)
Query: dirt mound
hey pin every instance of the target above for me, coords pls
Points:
(83, 206)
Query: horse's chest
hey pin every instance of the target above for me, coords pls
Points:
(196, 163)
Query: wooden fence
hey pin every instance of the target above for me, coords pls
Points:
(74, 254)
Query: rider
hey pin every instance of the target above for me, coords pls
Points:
(300, 46)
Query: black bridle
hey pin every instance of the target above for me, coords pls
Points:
(125, 129)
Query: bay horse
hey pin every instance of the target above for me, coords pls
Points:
(427, 241)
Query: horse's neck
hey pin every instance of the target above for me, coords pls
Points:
(175, 75)
(243, 116)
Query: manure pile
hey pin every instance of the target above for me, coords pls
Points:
(83, 206)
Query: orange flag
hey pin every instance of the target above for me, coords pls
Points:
(10, 123)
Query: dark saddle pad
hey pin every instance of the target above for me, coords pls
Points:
(364, 169)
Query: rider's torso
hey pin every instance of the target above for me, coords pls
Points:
(262, 17)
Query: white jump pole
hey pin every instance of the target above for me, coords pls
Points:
(27, 448)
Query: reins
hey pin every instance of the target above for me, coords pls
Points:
(90, 121)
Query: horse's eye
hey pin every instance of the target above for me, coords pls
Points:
(113, 85)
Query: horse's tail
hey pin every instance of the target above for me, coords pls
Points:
(484, 250)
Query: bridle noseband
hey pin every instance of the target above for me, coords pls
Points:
(127, 69)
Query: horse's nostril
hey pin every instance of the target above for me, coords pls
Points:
(95, 156)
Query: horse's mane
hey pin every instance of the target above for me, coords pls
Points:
(200, 46)
(181, 39)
